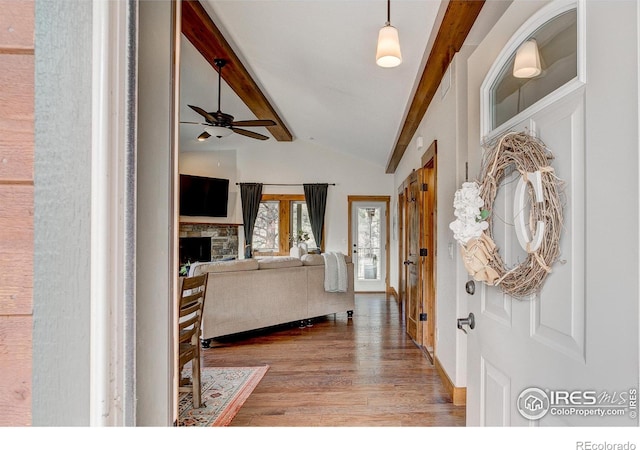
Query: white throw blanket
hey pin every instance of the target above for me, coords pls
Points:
(335, 272)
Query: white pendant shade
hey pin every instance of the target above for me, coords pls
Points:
(218, 132)
(388, 52)
(527, 63)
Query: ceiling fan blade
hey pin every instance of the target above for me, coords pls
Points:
(204, 135)
(203, 113)
(253, 123)
(250, 134)
(196, 123)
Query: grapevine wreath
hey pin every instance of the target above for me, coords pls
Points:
(473, 225)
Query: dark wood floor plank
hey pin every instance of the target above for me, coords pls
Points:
(363, 371)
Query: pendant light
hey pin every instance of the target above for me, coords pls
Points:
(527, 63)
(388, 51)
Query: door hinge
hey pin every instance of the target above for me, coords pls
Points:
(424, 187)
(424, 252)
(423, 317)
(466, 171)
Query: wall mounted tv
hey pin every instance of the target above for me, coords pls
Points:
(203, 196)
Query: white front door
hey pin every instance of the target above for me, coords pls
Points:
(540, 361)
(368, 238)
(550, 327)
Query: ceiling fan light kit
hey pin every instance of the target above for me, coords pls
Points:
(388, 51)
(217, 131)
(221, 125)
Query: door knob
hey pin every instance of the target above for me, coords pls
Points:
(470, 321)
(407, 262)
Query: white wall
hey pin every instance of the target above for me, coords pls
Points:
(445, 121)
(297, 162)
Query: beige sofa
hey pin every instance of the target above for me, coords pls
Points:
(249, 294)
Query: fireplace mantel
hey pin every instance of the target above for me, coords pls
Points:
(182, 222)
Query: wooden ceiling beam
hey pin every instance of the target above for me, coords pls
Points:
(205, 36)
(458, 19)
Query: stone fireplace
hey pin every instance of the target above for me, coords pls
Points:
(194, 249)
(208, 242)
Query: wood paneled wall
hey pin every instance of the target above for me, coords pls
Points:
(16, 209)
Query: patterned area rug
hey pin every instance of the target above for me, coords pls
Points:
(224, 391)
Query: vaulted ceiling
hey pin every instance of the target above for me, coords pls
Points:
(309, 66)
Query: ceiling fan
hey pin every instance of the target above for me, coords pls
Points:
(219, 124)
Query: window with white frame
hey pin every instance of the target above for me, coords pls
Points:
(546, 60)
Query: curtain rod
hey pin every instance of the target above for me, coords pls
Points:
(288, 184)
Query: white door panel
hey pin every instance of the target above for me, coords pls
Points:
(496, 396)
(549, 328)
(559, 320)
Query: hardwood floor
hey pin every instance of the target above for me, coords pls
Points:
(363, 371)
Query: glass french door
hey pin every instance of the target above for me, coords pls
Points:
(368, 246)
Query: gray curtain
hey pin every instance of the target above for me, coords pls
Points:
(316, 197)
(250, 194)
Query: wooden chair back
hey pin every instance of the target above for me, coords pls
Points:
(192, 296)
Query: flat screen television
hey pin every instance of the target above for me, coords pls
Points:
(203, 196)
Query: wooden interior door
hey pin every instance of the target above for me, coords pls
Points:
(412, 260)
(402, 278)
(429, 243)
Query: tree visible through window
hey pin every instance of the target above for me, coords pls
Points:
(280, 219)
(266, 230)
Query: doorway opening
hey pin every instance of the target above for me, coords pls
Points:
(369, 242)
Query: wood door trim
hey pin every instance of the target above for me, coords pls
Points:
(405, 245)
(205, 36)
(429, 154)
(368, 198)
(401, 211)
(371, 198)
(430, 223)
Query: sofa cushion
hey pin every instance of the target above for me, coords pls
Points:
(318, 260)
(223, 266)
(312, 260)
(278, 262)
